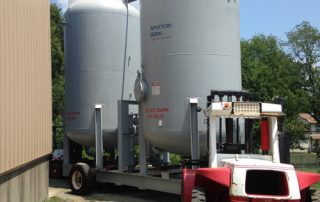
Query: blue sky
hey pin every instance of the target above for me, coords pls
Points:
(274, 17)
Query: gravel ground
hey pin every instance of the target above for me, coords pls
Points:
(108, 192)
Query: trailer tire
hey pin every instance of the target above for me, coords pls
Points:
(198, 194)
(81, 179)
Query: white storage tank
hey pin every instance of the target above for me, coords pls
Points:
(189, 47)
(95, 36)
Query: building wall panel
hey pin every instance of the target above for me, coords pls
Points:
(26, 184)
(25, 82)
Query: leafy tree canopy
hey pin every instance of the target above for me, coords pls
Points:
(57, 58)
(268, 71)
(304, 45)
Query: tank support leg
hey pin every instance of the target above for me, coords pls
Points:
(66, 155)
(195, 148)
(98, 136)
(125, 136)
(143, 148)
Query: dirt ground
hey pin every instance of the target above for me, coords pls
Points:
(108, 192)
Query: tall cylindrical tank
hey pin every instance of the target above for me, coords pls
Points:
(95, 37)
(189, 47)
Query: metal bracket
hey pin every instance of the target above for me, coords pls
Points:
(125, 140)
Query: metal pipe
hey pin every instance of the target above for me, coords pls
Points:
(125, 51)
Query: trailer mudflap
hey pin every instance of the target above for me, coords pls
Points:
(305, 179)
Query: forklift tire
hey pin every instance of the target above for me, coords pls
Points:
(309, 196)
(81, 179)
(314, 195)
(199, 194)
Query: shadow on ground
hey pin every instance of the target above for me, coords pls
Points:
(109, 192)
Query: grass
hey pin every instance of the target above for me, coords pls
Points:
(303, 159)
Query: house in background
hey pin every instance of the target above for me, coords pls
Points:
(25, 100)
(312, 131)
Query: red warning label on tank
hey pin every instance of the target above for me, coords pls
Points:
(156, 112)
(155, 88)
(72, 115)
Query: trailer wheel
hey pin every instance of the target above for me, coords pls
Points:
(199, 194)
(81, 179)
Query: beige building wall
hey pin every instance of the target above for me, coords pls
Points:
(25, 82)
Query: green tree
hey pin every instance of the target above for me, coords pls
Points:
(268, 71)
(57, 56)
(304, 45)
(296, 130)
